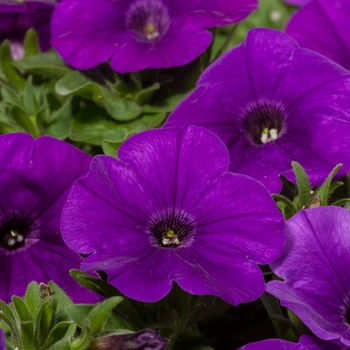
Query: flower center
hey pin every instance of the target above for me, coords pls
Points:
(264, 123)
(148, 18)
(171, 228)
(13, 232)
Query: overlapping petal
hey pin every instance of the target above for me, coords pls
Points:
(316, 271)
(323, 26)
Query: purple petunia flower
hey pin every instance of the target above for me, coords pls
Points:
(272, 102)
(35, 178)
(17, 17)
(316, 268)
(139, 34)
(305, 343)
(323, 26)
(167, 211)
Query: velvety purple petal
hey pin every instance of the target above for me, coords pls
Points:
(86, 33)
(323, 26)
(182, 43)
(213, 13)
(310, 91)
(313, 343)
(316, 271)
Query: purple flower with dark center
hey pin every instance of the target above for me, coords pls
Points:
(139, 34)
(16, 17)
(35, 178)
(316, 268)
(323, 26)
(272, 102)
(167, 211)
(305, 343)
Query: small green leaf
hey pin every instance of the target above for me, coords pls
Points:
(47, 64)
(84, 341)
(31, 43)
(324, 190)
(32, 297)
(119, 108)
(27, 335)
(287, 203)
(94, 284)
(57, 333)
(63, 301)
(303, 184)
(42, 320)
(145, 94)
(28, 123)
(29, 99)
(341, 202)
(21, 309)
(12, 74)
(100, 313)
(10, 96)
(79, 313)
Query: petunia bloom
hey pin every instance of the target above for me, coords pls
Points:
(323, 26)
(272, 102)
(167, 211)
(305, 343)
(139, 34)
(17, 17)
(35, 177)
(316, 268)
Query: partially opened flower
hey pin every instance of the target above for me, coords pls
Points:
(35, 177)
(323, 26)
(16, 17)
(305, 343)
(139, 34)
(167, 211)
(316, 268)
(272, 102)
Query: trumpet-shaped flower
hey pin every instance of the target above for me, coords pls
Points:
(168, 211)
(272, 102)
(316, 268)
(35, 177)
(139, 34)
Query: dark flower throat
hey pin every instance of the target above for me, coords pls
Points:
(171, 228)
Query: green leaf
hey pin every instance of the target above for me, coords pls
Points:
(47, 64)
(76, 83)
(145, 94)
(29, 99)
(31, 43)
(28, 123)
(42, 320)
(64, 343)
(287, 203)
(324, 190)
(303, 184)
(13, 75)
(84, 341)
(57, 333)
(63, 301)
(341, 202)
(119, 108)
(96, 285)
(21, 309)
(79, 313)
(27, 335)
(100, 313)
(168, 104)
(10, 96)
(32, 297)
